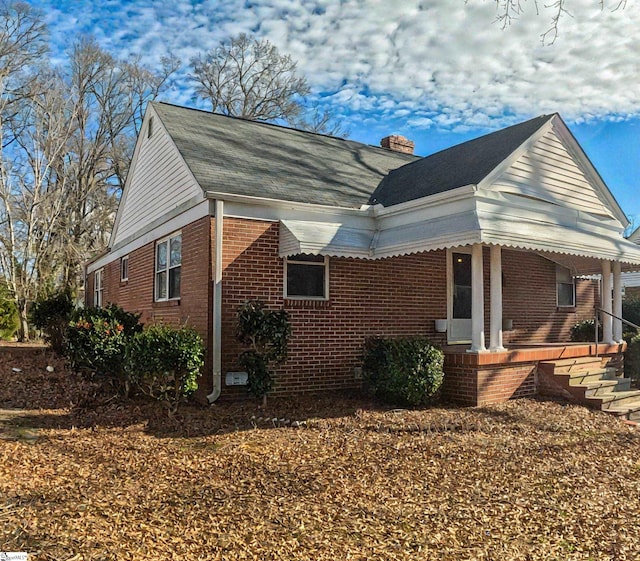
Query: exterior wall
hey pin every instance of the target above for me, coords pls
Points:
(399, 296)
(548, 171)
(529, 299)
(159, 181)
(391, 297)
(136, 294)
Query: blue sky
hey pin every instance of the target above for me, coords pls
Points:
(437, 71)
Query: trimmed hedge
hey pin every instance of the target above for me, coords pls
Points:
(403, 371)
(97, 340)
(164, 362)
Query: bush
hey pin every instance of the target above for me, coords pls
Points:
(51, 315)
(403, 371)
(9, 319)
(97, 340)
(632, 356)
(267, 333)
(631, 312)
(584, 331)
(165, 362)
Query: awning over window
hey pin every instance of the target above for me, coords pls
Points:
(324, 238)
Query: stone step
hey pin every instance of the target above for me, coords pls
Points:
(603, 387)
(615, 400)
(587, 376)
(630, 411)
(571, 364)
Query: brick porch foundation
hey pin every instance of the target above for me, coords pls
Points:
(485, 378)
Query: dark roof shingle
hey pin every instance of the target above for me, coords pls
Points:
(238, 156)
(464, 164)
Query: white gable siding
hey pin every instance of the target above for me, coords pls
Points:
(160, 182)
(548, 172)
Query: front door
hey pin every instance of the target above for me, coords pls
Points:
(459, 304)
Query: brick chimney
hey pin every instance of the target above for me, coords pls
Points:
(397, 143)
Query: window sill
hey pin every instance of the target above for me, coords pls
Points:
(166, 303)
(307, 304)
(567, 309)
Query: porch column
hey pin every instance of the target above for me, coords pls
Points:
(617, 302)
(495, 338)
(477, 300)
(607, 333)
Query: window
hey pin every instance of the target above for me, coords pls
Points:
(168, 264)
(150, 128)
(565, 287)
(461, 285)
(98, 287)
(306, 277)
(124, 269)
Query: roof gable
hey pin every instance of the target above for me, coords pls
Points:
(552, 167)
(158, 183)
(237, 156)
(464, 164)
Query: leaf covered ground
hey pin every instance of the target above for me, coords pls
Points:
(86, 477)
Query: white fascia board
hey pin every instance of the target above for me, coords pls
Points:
(253, 210)
(453, 195)
(160, 231)
(435, 210)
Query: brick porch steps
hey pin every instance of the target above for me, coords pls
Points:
(585, 380)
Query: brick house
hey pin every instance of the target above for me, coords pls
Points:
(489, 248)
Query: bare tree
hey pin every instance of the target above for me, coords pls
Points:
(109, 98)
(32, 197)
(66, 139)
(315, 119)
(509, 10)
(248, 78)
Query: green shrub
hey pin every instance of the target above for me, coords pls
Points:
(403, 371)
(632, 356)
(631, 312)
(165, 362)
(51, 315)
(267, 333)
(9, 319)
(584, 331)
(97, 339)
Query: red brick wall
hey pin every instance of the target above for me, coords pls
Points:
(399, 296)
(529, 299)
(393, 297)
(136, 294)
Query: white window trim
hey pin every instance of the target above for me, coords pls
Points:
(166, 240)
(324, 264)
(98, 288)
(573, 284)
(123, 260)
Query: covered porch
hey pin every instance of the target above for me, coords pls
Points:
(484, 369)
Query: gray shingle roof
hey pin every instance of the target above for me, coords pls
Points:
(250, 158)
(464, 164)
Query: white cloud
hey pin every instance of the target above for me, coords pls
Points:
(414, 58)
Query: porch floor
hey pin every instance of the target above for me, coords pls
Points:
(458, 354)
